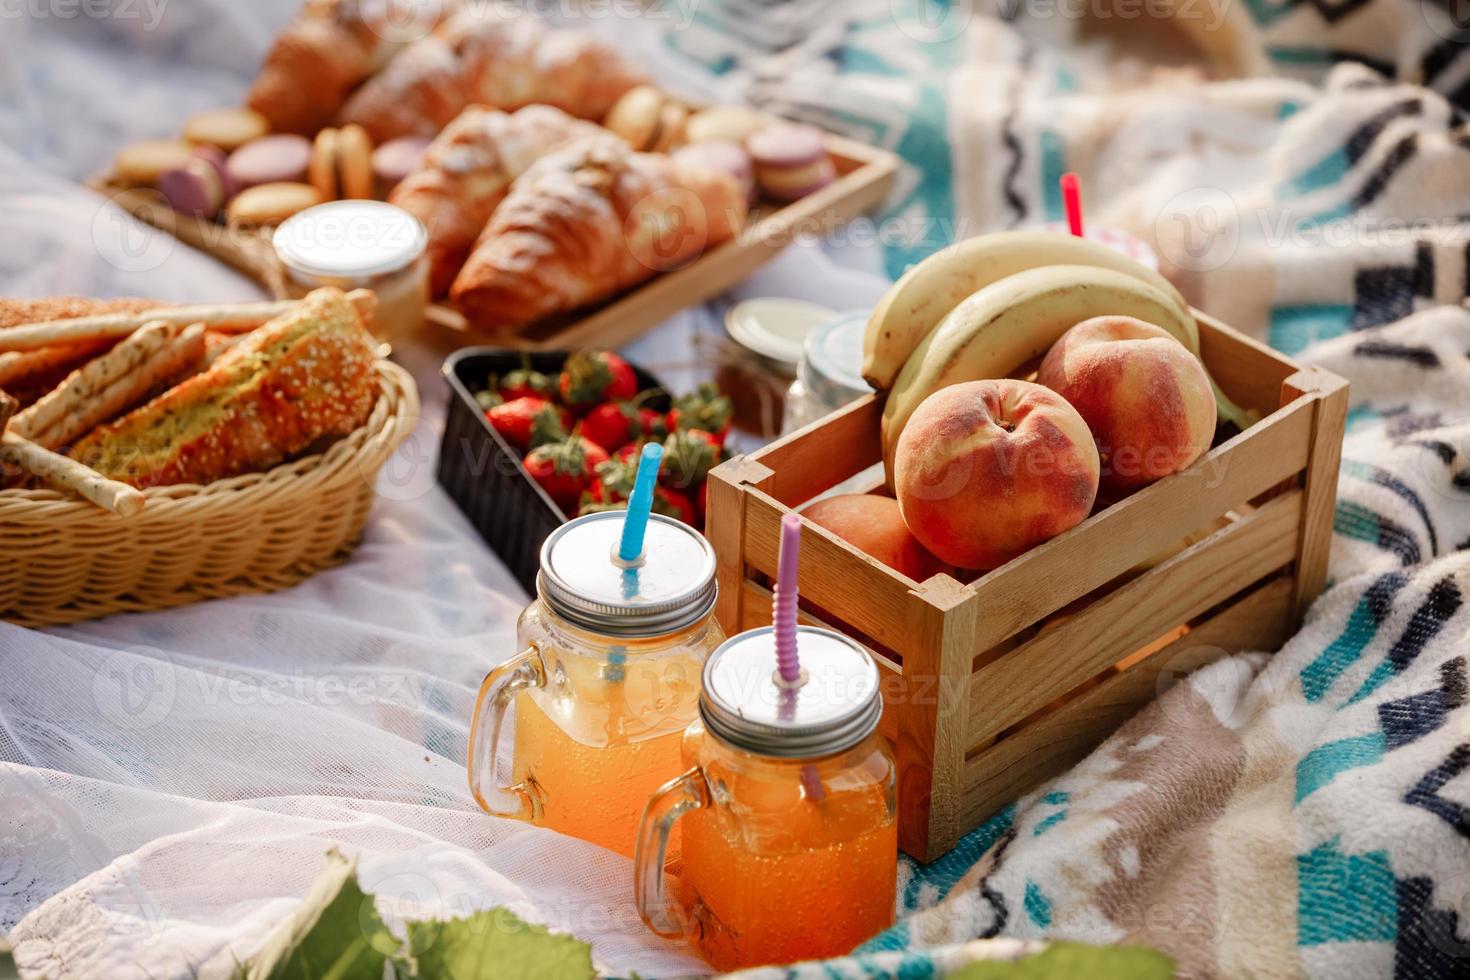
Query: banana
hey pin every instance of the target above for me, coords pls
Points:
(1009, 322)
(926, 293)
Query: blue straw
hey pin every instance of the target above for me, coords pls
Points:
(630, 548)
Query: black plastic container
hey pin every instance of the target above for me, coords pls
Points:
(483, 472)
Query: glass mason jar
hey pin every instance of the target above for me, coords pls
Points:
(606, 681)
(788, 807)
(360, 244)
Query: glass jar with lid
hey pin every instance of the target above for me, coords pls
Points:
(359, 245)
(788, 809)
(606, 682)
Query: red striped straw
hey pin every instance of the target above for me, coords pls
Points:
(1072, 201)
(788, 665)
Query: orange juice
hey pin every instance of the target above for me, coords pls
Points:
(606, 682)
(787, 810)
(594, 792)
(783, 877)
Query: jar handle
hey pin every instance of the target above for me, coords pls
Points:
(523, 672)
(669, 802)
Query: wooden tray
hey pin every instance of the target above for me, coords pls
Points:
(994, 686)
(865, 175)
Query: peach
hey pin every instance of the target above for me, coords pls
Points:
(986, 470)
(1145, 397)
(873, 525)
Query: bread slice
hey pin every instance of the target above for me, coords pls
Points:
(303, 376)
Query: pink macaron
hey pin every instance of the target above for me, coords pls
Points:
(202, 186)
(396, 159)
(724, 156)
(791, 161)
(270, 159)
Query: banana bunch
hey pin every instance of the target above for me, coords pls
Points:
(986, 306)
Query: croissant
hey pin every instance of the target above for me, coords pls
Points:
(588, 221)
(467, 171)
(327, 50)
(483, 56)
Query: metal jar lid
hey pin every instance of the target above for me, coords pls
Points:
(349, 240)
(836, 706)
(832, 362)
(672, 588)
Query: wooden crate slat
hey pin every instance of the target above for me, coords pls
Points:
(1048, 746)
(1319, 505)
(1011, 688)
(834, 575)
(1117, 539)
(826, 452)
(1249, 372)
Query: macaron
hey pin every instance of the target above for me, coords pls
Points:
(791, 161)
(321, 172)
(271, 159)
(648, 119)
(270, 204)
(723, 156)
(228, 129)
(201, 187)
(396, 159)
(734, 123)
(355, 162)
(141, 164)
(342, 163)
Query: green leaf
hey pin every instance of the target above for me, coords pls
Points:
(335, 934)
(8, 969)
(495, 943)
(1070, 961)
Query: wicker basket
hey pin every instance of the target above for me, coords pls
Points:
(66, 560)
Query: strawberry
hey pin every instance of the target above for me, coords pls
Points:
(563, 470)
(612, 425)
(529, 422)
(672, 503)
(653, 424)
(488, 399)
(592, 377)
(689, 455)
(704, 408)
(526, 381)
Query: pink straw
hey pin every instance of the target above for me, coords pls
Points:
(784, 608)
(1072, 201)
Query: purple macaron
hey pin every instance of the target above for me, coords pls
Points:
(269, 160)
(791, 160)
(202, 186)
(396, 159)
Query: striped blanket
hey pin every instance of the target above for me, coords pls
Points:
(1305, 175)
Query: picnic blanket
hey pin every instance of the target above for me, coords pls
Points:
(1302, 813)
(1306, 813)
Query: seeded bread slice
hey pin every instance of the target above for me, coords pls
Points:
(303, 376)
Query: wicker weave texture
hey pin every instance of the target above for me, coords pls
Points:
(63, 560)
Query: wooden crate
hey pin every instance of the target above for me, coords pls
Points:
(994, 686)
(865, 174)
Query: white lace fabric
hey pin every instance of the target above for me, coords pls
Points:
(170, 782)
